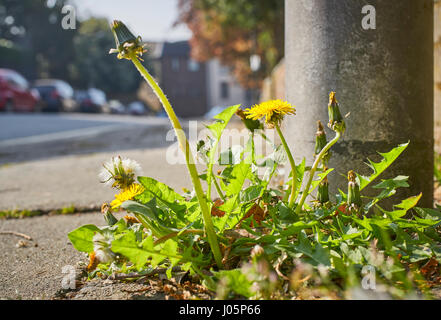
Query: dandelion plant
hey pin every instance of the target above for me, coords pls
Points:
(129, 47)
(265, 243)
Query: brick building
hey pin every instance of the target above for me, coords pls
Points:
(183, 79)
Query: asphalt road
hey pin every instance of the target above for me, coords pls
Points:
(26, 137)
(13, 126)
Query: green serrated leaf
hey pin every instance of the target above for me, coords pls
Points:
(322, 176)
(239, 174)
(140, 253)
(148, 219)
(397, 182)
(217, 128)
(82, 238)
(405, 206)
(380, 167)
(409, 203)
(161, 192)
(222, 120)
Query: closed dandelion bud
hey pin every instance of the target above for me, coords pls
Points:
(108, 216)
(323, 191)
(321, 142)
(336, 121)
(354, 199)
(127, 45)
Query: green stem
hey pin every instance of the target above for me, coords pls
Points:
(185, 147)
(212, 155)
(218, 189)
(293, 167)
(266, 183)
(253, 149)
(314, 169)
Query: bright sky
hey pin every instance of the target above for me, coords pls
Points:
(152, 19)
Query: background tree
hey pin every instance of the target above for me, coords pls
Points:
(233, 31)
(34, 28)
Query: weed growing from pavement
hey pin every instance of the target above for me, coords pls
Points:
(257, 241)
(25, 213)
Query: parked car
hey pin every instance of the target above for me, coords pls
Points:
(91, 100)
(116, 107)
(162, 114)
(15, 94)
(57, 95)
(137, 108)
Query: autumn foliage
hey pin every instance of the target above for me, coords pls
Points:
(233, 31)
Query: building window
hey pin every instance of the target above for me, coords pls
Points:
(175, 64)
(225, 90)
(224, 70)
(193, 66)
(248, 95)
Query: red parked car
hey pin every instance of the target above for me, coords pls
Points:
(15, 94)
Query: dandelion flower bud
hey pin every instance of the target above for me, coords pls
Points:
(321, 142)
(336, 121)
(354, 199)
(108, 216)
(323, 191)
(127, 45)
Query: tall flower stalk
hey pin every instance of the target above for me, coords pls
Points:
(314, 169)
(130, 47)
(292, 196)
(337, 124)
(274, 111)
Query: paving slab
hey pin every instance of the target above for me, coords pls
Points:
(35, 271)
(73, 180)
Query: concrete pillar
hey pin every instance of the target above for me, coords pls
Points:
(382, 76)
(437, 39)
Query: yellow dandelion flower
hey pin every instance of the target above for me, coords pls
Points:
(127, 194)
(274, 111)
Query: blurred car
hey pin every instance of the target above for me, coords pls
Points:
(214, 112)
(136, 108)
(91, 100)
(56, 95)
(162, 114)
(15, 94)
(116, 107)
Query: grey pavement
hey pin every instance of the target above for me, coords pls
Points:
(52, 161)
(73, 180)
(35, 272)
(56, 165)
